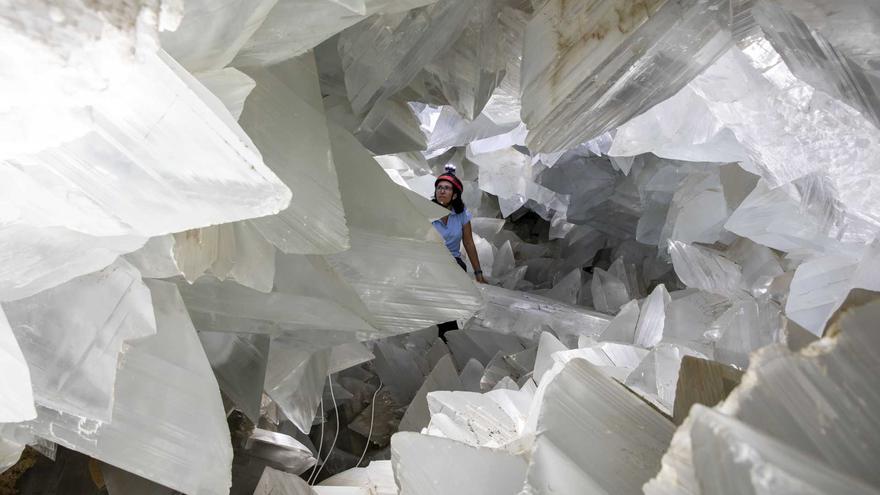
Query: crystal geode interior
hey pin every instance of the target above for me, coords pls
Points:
(219, 274)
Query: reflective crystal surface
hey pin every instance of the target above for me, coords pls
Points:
(15, 388)
(168, 423)
(588, 67)
(577, 405)
(71, 336)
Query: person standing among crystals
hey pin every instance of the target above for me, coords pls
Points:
(455, 228)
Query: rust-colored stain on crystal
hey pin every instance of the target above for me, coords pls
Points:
(629, 16)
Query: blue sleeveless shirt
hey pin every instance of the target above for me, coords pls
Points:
(451, 232)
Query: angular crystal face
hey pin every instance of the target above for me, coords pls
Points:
(289, 130)
(72, 334)
(168, 424)
(381, 55)
(215, 176)
(526, 315)
(210, 35)
(239, 363)
(292, 27)
(468, 73)
(578, 404)
(16, 394)
(768, 416)
(46, 257)
(588, 67)
(423, 464)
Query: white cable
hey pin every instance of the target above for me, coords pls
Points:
(332, 445)
(372, 418)
(321, 442)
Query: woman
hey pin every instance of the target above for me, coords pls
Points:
(456, 227)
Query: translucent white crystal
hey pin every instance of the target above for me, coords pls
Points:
(730, 457)
(485, 253)
(504, 261)
(230, 85)
(656, 376)
(567, 289)
(53, 71)
(649, 329)
(291, 133)
(623, 327)
(168, 422)
(829, 49)
(400, 270)
(72, 335)
(239, 363)
(275, 482)
(791, 407)
(548, 345)
(214, 176)
(444, 376)
(119, 482)
(295, 377)
(613, 359)
(508, 174)
(230, 307)
(701, 268)
(381, 55)
(468, 72)
(760, 265)
(788, 127)
(693, 319)
(587, 181)
(294, 26)
(13, 440)
(235, 250)
(578, 404)
(156, 258)
(282, 451)
(586, 70)
(398, 369)
(426, 465)
(504, 106)
(609, 293)
(445, 128)
(748, 325)
(679, 128)
(210, 35)
(35, 259)
(471, 375)
(774, 218)
(494, 419)
(377, 478)
(526, 315)
(820, 285)
(391, 127)
(699, 209)
(16, 395)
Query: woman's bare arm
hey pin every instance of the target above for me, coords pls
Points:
(467, 238)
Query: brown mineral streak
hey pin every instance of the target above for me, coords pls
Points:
(630, 15)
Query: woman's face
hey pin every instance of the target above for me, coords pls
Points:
(444, 192)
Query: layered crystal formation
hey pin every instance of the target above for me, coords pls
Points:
(602, 70)
(383, 54)
(71, 336)
(18, 397)
(784, 439)
(168, 423)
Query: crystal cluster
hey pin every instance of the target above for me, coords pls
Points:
(218, 272)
